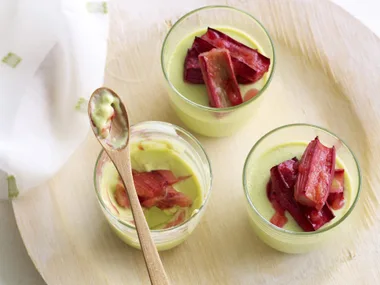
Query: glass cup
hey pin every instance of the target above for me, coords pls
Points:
(190, 151)
(205, 120)
(286, 240)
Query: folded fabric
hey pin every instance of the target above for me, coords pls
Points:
(52, 56)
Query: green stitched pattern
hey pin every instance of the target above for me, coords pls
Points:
(81, 104)
(97, 7)
(11, 59)
(12, 187)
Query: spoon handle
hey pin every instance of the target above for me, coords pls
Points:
(153, 262)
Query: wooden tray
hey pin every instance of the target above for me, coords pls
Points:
(327, 73)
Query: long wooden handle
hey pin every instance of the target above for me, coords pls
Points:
(153, 262)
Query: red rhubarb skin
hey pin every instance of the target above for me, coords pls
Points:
(318, 218)
(280, 192)
(284, 198)
(192, 69)
(170, 178)
(170, 199)
(278, 219)
(316, 173)
(218, 74)
(248, 63)
(336, 197)
(154, 188)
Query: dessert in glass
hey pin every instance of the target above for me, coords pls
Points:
(172, 176)
(301, 182)
(217, 62)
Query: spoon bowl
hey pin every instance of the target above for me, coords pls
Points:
(110, 124)
(114, 129)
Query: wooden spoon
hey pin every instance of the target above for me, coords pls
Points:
(114, 138)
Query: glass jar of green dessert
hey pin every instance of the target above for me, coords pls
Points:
(217, 61)
(301, 182)
(173, 178)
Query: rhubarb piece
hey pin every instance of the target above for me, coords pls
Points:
(248, 63)
(154, 189)
(201, 45)
(170, 199)
(280, 191)
(316, 172)
(149, 184)
(284, 195)
(121, 196)
(170, 178)
(336, 200)
(192, 70)
(337, 185)
(218, 74)
(244, 72)
(318, 218)
(288, 171)
(336, 196)
(278, 219)
(168, 175)
(242, 80)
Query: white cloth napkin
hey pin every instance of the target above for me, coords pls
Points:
(52, 56)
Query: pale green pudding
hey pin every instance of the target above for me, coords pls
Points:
(197, 93)
(148, 155)
(275, 147)
(190, 101)
(260, 176)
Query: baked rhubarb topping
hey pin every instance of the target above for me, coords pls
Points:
(316, 173)
(235, 62)
(336, 196)
(154, 188)
(218, 74)
(308, 189)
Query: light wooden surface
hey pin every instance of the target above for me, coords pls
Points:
(327, 73)
(121, 158)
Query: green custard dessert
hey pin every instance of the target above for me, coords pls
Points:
(167, 187)
(261, 175)
(217, 71)
(298, 192)
(197, 93)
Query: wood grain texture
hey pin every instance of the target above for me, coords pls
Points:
(327, 74)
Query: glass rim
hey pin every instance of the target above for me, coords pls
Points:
(207, 108)
(204, 202)
(294, 233)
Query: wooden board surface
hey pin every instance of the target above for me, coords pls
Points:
(327, 73)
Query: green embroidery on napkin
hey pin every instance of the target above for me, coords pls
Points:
(81, 105)
(11, 59)
(12, 187)
(97, 7)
